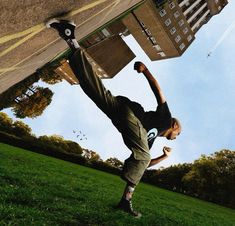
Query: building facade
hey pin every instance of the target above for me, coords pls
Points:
(166, 28)
(106, 52)
(163, 28)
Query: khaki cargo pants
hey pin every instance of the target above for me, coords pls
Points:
(133, 133)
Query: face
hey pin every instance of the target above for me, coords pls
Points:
(173, 134)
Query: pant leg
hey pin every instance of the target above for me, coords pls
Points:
(91, 83)
(133, 133)
(133, 170)
(135, 138)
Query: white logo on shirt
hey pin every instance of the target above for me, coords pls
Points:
(152, 134)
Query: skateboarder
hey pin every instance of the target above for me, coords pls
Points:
(137, 127)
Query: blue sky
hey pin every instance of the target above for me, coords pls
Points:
(200, 91)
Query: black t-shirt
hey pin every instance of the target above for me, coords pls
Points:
(155, 122)
(159, 119)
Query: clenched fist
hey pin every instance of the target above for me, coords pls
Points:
(139, 67)
(166, 151)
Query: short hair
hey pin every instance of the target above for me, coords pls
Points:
(175, 121)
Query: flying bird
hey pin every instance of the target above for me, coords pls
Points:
(209, 54)
(80, 135)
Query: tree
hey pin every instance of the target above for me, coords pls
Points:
(170, 177)
(115, 162)
(91, 155)
(33, 106)
(17, 128)
(6, 123)
(48, 75)
(74, 147)
(7, 98)
(20, 129)
(58, 142)
(213, 178)
(25, 99)
(55, 141)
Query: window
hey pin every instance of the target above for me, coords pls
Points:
(176, 14)
(157, 47)
(98, 39)
(106, 32)
(172, 5)
(177, 38)
(185, 30)
(181, 23)
(162, 54)
(148, 32)
(182, 46)
(189, 38)
(162, 12)
(172, 30)
(142, 24)
(219, 8)
(153, 40)
(168, 22)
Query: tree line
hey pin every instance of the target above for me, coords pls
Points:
(19, 134)
(26, 99)
(211, 178)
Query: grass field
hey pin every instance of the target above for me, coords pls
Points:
(39, 190)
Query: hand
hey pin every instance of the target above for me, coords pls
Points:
(139, 67)
(166, 151)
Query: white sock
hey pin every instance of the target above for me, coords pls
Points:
(75, 43)
(128, 192)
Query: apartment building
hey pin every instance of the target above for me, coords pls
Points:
(166, 28)
(163, 28)
(106, 52)
(199, 12)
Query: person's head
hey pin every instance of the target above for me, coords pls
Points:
(174, 130)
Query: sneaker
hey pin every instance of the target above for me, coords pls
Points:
(127, 207)
(65, 28)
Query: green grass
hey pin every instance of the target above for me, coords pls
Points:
(39, 190)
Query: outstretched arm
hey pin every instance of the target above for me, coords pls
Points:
(166, 153)
(141, 68)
